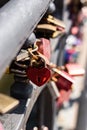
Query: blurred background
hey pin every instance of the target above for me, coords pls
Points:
(71, 47)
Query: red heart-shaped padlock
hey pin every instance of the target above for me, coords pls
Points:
(39, 76)
(44, 47)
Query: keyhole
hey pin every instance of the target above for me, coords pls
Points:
(38, 79)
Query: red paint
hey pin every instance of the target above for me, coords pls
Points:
(39, 76)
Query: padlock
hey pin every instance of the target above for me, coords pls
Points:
(74, 69)
(58, 23)
(37, 72)
(19, 70)
(47, 30)
(62, 79)
(21, 88)
(64, 97)
(49, 19)
(44, 47)
(29, 43)
(63, 83)
(49, 27)
(17, 67)
(20, 64)
(38, 75)
(24, 55)
(7, 103)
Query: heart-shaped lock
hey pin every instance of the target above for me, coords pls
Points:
(37, 72)
(39, 76)
(44, 47)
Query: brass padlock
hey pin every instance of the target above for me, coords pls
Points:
(47, 30)
(58, 23)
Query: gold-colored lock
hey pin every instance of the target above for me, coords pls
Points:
(49, 29)
(7, 103)
(55, 21)
(24, 55)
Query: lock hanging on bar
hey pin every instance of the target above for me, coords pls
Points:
(38, 72)
(47, 30)
(44, 47)
(74, 69)
(62, 79)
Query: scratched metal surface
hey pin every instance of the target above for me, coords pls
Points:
(11, 121)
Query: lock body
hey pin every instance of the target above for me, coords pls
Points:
(75, 69)
(63, 79)
(44, 47)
